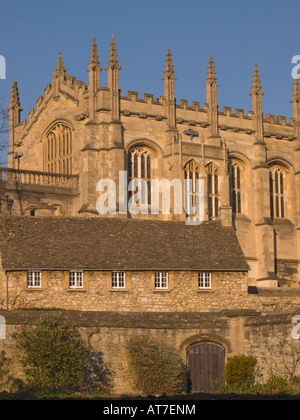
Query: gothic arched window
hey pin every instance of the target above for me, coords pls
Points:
(236, 187)
(191, 176)
(277, 192)
(59, 149)
(213, 190)
(139, 168)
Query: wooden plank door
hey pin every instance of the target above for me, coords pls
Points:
(206, 364)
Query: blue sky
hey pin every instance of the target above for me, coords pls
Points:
(237, 33)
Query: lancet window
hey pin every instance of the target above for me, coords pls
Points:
(236, 171)
(59, 149)
(213, 191)
(139, 168)
(192, 176)
(277, 192)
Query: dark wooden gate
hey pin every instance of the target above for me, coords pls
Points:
(206, 364)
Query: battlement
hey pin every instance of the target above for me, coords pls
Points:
(240, 123)
(75, 89)
(147, 98)
(239, 113)
(280, 120)
(78, 91)
(195, 106)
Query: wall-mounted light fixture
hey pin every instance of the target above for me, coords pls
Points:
(9, 202)
(18, 156)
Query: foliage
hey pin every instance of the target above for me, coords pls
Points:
(242, 376)
(296, 384)
(282, 356)
(156, 368)
(98, 377)
(3, 119)
(4, 371)
(277, 384)
(53, 355)
(240, 372)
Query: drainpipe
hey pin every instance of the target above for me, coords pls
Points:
(275, 252)
(6, 289)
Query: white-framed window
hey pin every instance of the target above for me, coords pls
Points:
(204, 280)
(34, 279)
(76, 280)
(161, 280)
(118, 279)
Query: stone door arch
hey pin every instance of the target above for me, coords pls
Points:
(206, 365)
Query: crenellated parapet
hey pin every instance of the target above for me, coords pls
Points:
(238, 120)
(92, 100)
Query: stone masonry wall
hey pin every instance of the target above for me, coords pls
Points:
(139, 294)
(267, 337)
(229, 291)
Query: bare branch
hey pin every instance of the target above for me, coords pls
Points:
(283, 355)
(3, 119)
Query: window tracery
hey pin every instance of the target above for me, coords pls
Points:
(236, 172)
(213, 190)
(139, 168)
(59, 149)
(277, 192)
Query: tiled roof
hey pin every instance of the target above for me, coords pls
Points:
(117, 244)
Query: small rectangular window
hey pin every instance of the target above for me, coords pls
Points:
(118, 280)
(34, 279)
(161, 280)
(204, 280)
(76, 280)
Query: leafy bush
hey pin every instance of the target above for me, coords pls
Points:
(4, 371)
(53, 355)
(156, 368)
(277, 385)
(240, 372)
(97, 377)
(296, 384)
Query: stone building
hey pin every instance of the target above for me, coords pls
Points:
(213, 283)
(78, 134)
(120, 265)
(107, 264)
(120, 278)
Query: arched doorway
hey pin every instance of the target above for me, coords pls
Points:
(206, 365)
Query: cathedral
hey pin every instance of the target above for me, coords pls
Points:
(78, 134)
(217, 282)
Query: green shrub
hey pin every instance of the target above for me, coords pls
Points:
(5, 377)
(53, 355)
(277, 385)
(240, 372)
(296, 384)
(155, 367)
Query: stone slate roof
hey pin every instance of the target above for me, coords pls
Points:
(117, 244)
